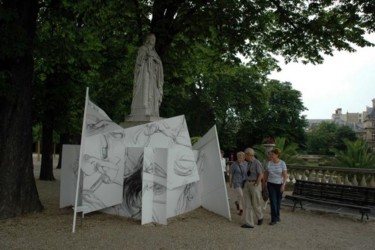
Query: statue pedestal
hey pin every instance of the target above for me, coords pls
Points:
(131, 120)
(268, 147)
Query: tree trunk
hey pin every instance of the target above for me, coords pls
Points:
(18, 192)
(64, 139)
(46, 167)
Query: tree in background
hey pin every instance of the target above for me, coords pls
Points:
(357, 155)
(280, 116)
(327, 136)
(78, 47)
(62, 47)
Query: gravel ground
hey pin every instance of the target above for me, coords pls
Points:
(199, 229)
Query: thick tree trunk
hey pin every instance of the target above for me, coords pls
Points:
(18, 193)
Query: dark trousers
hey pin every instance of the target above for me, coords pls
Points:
(275, 200)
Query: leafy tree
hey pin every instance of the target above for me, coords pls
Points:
(62, 47)
(284, 118)
(76, 36)
(343, 133)
(328, 136)
(279, 116)
(357, 155)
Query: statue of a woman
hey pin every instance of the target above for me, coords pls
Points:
(148, 83)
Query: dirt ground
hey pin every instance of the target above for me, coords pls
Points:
(199, 229)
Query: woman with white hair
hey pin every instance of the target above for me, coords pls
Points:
(237, 176)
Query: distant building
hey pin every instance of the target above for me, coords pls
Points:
(315, 122)
(363, 124)
(369, 125)
(352, 120)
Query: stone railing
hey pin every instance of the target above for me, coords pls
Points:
(346, 176)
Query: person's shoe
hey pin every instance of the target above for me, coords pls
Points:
(278, 220)
(272, 223)
(237, 205)
(246, 226)
(240, 213)
(260, 222)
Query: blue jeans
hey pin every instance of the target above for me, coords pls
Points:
(275, 200)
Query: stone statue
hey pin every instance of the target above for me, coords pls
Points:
(148, 83)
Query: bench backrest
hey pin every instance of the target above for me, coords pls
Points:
(363, 196)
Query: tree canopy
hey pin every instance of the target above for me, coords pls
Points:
(328, 137)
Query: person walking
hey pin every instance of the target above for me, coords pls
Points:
(253, 190)
(223, 165)
(275, 177)
(236, 179)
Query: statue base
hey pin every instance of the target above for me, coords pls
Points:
(131, 120)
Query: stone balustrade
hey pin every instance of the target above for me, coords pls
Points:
(346, 176)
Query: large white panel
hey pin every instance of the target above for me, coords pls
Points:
(182, 167)
(131, 205)
(103, 170)
(183, 199)
(154, 186)
(97, 121)
(159, 134)
(147, 186)
(214, 194)
(69, 174)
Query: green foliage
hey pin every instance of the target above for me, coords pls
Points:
(37, 132)
(94, 43)
(356, 155)
(77, 47)
(195, 139)
(289, 151)
(295, 29)
(328, 136)
(279, 115)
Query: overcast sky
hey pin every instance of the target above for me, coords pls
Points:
(346, 80)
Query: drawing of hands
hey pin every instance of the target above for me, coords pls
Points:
(184, 165)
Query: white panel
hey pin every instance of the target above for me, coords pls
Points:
(183, 199)
(160, 134)
(131, 205)
(182, 167)
(214, 194)
(98, 122)
(158, 169)
(69, 173)
(147, 185)
(103, 170)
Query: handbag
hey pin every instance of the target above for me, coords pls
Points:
(265, 195)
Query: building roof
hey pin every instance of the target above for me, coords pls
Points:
(370, 113)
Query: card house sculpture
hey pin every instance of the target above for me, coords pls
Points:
(149, 172)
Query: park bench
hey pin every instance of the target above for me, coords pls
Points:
(354, 197)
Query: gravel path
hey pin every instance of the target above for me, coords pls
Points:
(199, 229)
